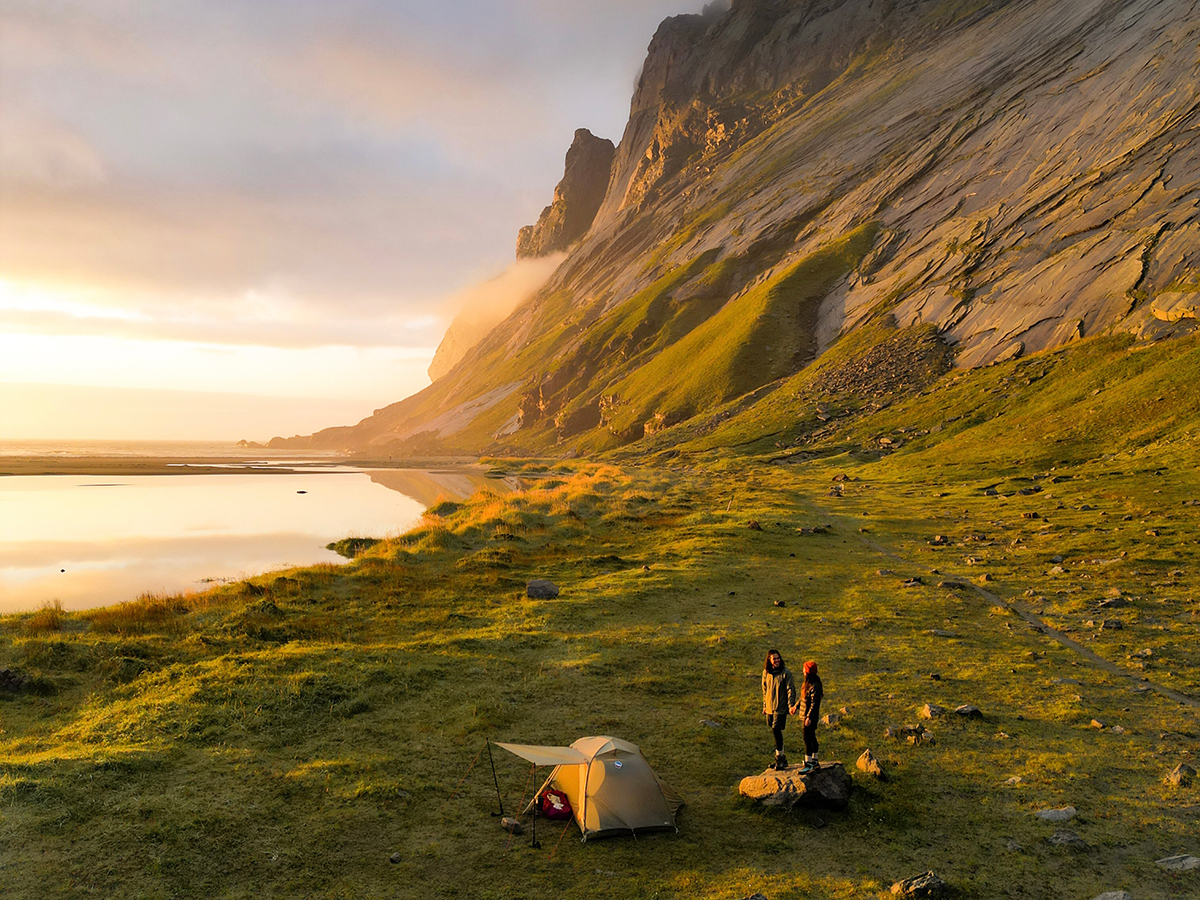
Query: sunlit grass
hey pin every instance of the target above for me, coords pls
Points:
(288, 734)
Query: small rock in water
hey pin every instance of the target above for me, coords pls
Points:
(1064, 838)
(541, 589)
(1181, 775)
(924, 885)
(931, 711)
(1064, 814)
(1179, 863)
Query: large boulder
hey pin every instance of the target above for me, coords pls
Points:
(541, 589)
(827, 785)
(926, 884)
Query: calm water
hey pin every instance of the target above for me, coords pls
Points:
(94, 540)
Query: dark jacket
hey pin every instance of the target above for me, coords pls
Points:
(811, 693)
(779, 691)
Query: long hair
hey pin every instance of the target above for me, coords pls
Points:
(767, 662)
(810, 668)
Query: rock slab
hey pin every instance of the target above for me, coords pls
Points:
(1179, 863)
(924, 885)
(1064, 814)
(1181, 775)
(828, 785)
(869, 764)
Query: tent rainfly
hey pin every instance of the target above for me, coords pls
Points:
(611, 787)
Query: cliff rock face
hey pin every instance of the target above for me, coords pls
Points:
(576, 198)
(1017, 174)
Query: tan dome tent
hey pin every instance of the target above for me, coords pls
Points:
(611, 787)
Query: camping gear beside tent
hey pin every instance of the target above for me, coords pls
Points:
(611, 787)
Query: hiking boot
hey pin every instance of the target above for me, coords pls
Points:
(810, 765)
(781, 762)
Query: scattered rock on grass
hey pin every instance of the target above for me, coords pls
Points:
(1068, 839)
(781, 603)
(925, 885)
(831, 720)
(541, 589)
(1113, 895)
(709, 723)
(511, 825)
(756, 897)
(931, 711)
(1014, 847)
(1063, 814)
(969, 711)
(869, 764)
(395, 858)
(11, 682)
(1181, 775)
(1179, 863)
(1097, 724)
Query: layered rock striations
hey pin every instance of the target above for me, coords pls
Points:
(1017, 174)
(576, 198)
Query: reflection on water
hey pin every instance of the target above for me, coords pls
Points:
(91, 540)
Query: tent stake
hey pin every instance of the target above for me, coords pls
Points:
(496, 780)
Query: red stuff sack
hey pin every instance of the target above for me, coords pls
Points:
(555, 804)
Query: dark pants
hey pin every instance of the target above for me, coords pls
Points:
(810, 739)
(777, 724)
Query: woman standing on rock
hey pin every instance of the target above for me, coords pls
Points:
(811, 692)
(779, 698)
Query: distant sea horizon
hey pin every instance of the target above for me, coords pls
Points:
(51, 448)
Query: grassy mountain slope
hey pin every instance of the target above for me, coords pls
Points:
(287, 736)
(1030, 169)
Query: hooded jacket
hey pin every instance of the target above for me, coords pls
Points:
(811, 692)
(779, 691)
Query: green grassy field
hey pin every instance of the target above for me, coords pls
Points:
(287, 736)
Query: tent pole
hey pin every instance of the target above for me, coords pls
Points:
(535, 845)
(496, 780)
(587, 772)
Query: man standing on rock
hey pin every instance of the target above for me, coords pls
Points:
(779, 698)
(811, 692)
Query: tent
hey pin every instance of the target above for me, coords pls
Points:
(611, 787)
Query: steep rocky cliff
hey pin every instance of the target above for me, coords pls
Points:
(1017, 174)
(576, 198)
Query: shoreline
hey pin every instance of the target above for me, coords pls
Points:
(213, 465)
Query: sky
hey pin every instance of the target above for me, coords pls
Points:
(212, 211)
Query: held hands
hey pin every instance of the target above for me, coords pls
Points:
(792, 710)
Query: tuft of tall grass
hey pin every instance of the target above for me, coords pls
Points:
(149, 612)
(48, 617)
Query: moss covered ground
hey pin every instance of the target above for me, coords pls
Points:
(289, 736)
